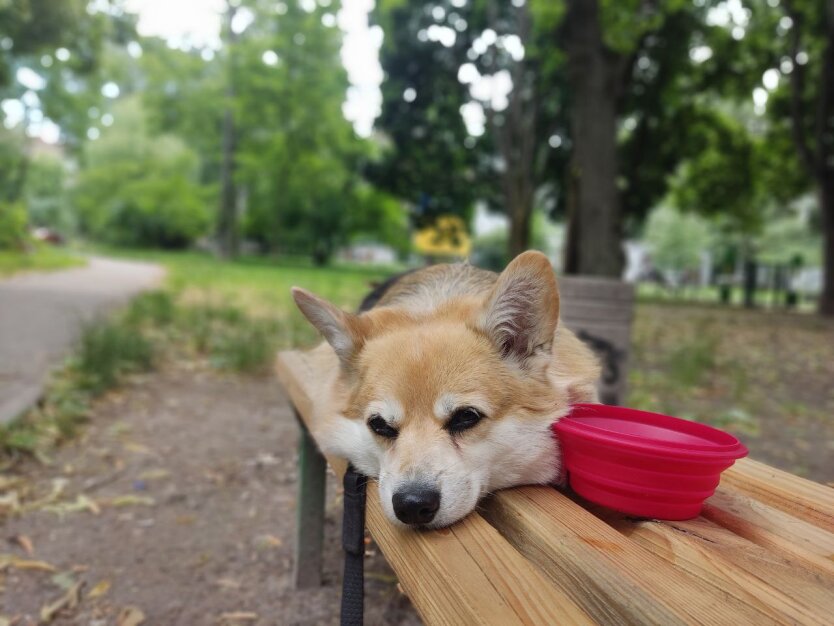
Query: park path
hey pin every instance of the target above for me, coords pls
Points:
(41, 316)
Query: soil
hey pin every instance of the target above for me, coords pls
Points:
(190, 475)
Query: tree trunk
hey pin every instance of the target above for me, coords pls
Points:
(227, 227)
(520, 218)
(516, 138)
(825, 164)
(594, 85)
(826, 302)
(571, 253)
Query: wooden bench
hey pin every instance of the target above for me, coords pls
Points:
(762, 552)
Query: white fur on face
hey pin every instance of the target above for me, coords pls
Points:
(495, 454)
(351, 440)
(388, 409)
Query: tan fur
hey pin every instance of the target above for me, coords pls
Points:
(446, 337)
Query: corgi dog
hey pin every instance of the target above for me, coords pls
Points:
(448, 384)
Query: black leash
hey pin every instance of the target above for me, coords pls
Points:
(353, 543)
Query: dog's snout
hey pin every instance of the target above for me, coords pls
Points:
(416, 504)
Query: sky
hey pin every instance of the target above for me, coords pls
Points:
(197, 23)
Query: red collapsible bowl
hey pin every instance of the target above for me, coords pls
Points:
(641, 463)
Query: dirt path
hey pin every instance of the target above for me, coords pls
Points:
(42, 314)
(179, 500)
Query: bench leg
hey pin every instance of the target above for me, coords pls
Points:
(309, 533)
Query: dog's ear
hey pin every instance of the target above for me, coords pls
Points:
(341, 330)
(522, 310)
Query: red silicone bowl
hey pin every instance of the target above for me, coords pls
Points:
(641, 463)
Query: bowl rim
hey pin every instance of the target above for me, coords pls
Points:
(572, 425)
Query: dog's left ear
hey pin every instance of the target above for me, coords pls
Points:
(522, 311)
(341, 330)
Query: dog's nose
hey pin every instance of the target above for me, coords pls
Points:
(416, 505)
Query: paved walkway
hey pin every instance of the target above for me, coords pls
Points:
(41, 316)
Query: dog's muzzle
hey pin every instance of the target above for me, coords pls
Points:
(416, 504)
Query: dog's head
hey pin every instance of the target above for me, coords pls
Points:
(446, 406)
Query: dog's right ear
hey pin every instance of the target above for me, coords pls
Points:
(341, 330)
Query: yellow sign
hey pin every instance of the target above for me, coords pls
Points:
(446, 237)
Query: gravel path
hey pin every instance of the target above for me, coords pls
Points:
(41, 315)
(178, 499)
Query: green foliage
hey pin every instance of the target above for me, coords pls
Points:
(676, 240)
(426, 162)
(297, 155)
(139, 190)
(14, 226)
(718, 180)
(12, 165)
(37, 257)
(245, 347)
(108, 350)
(45, 195)
(156, 308)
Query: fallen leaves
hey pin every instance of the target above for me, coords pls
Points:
(10, 561)
(24, 542)
(235, 617)
(154, 474)
(68, 601)
(131, 500)
(100, 589)
(265, 542)
(81, 503)
(130, 616)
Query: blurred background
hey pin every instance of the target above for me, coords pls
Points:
(685, 147)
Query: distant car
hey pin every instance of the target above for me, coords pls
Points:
(48, 235)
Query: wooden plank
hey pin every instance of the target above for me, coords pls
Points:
(468, 574)
(600, 312)
(807, 545)
(465, 575)
(796, 496)
(786, 593)
(611, 577)
(596, 288)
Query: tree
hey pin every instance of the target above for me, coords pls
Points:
(227, 218)
(676, 240)
(810, 111)
(138, 189)
(430, 162)
(297, 156)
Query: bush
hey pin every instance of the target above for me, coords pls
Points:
(110, 349)
(14, 232)
(141, 190)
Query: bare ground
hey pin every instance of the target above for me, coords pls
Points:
(186, 512)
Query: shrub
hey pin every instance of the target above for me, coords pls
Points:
(14, 233)
(110, 349)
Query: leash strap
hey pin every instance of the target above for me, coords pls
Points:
(353, 543)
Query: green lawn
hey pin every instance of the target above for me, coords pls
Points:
(260, 287)
(40, 258)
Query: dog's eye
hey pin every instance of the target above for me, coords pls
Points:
(381, 427)
(463, 419)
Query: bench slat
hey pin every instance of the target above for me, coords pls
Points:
(786, 593)
(469, 575)
(794, 495)
(610, 576)
(773, 529)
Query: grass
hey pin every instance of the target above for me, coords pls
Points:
(258, 289)
(40, 258)
(765, 376)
